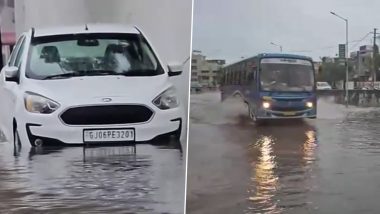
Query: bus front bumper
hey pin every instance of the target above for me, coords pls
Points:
(269, 114)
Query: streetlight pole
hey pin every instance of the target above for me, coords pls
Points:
(272, 43)
(346, 60)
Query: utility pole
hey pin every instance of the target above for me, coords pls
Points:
(346, 64)
(346, 56)
(374, 53)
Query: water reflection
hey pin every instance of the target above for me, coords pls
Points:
(92, 179)
(265, 177)
(282, 156)
(309, 147)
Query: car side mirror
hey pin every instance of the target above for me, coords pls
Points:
(175, 69)
(11, 74)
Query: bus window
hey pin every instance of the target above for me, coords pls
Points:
(234, 77)
(244, 77)
(243, 74)
(279, 76)
(229, 77)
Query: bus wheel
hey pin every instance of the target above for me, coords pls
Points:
(252, 115)
(250, 112)
(257, 122)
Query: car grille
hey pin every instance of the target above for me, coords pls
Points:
(106, 115)
(283, 115)
(289, 108)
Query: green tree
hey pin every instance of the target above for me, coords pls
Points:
(333, 72)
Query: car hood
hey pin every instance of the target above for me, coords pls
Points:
(93, 89)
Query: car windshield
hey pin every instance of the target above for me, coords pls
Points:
(66, 56)
(282, 74)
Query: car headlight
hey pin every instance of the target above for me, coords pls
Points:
(36, 103)
(167, 99)
(309, 104)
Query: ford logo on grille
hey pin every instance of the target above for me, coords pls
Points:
(106, 100)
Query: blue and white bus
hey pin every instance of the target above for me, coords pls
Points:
(274, 86)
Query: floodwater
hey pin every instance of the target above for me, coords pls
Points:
(327, 165)
(125, 179)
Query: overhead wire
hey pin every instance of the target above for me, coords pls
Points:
(357, 42)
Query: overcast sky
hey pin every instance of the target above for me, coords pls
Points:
(240, 28)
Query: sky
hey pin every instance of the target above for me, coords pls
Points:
(231, 30)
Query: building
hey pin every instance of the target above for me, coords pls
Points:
(361, 61)
(197, 62)
(7, 19)
(205, 71)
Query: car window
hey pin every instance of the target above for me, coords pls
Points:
(15, 51)
(91, 55)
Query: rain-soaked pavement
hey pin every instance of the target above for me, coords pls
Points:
(328, 165)
(125, 179)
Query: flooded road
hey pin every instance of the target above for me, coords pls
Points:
(127, 179)
(328, 165)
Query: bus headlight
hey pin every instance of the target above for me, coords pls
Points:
(309, 104)
(266, 105)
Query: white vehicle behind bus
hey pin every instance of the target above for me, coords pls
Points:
(323, 86)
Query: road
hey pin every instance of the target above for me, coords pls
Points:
(328, 165)
(127, 179)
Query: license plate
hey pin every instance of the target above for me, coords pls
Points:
(289, 113)
(108, 135)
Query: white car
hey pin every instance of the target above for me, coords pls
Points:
(323, 86)
(87, 84)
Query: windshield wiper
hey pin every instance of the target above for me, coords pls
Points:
(84, 73)
(64, 75)
(99, 72)
(136, 72)
(141, 72)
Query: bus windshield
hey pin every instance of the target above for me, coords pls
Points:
(283, 74)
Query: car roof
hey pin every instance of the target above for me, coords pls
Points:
(270, 55)
(278, 55)
(323, 83)
(85, 28)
